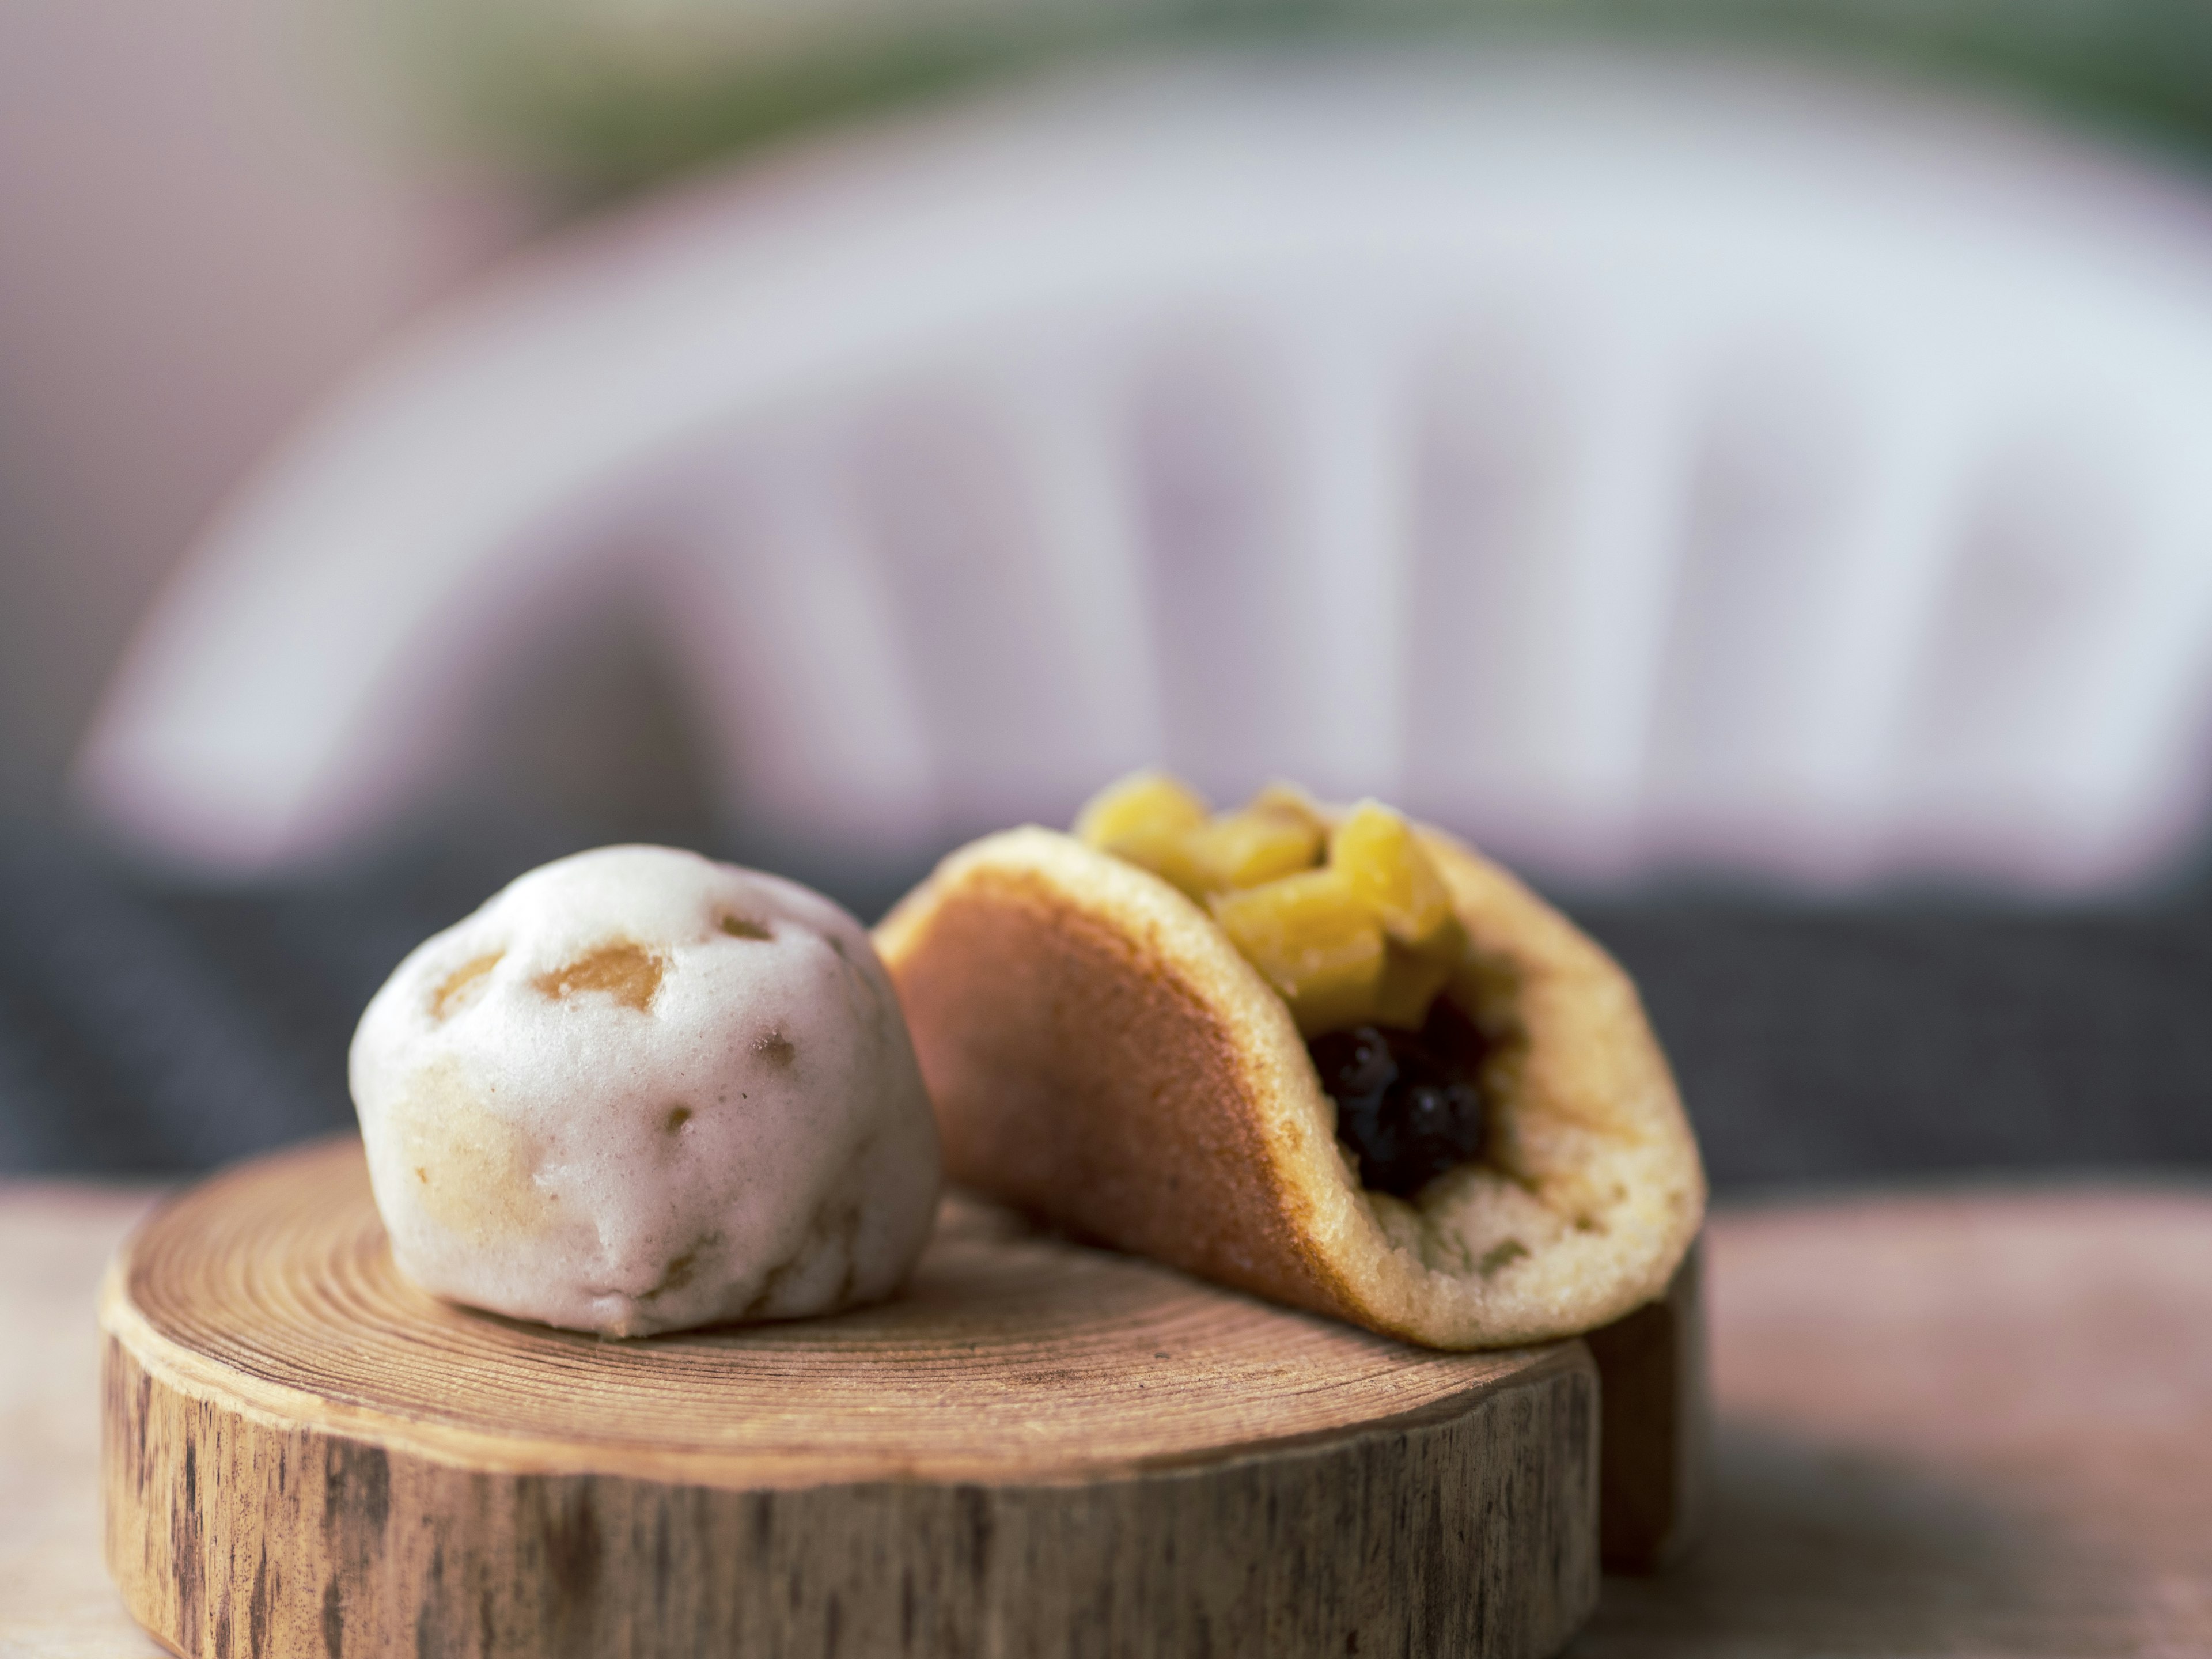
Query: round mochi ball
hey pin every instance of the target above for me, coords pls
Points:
(640, 1091)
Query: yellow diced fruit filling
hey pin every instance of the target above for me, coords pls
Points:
(1288, 800)
(1147, 820)
(1144, 804)
(1387, 866)
(1313, 941)
(1369, 936)
(1244, 850)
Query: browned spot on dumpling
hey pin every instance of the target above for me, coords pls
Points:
(463, 986)
(625, 969)
(1501, 1255)
(849, 1228)
(745, 928)
(771, 1287)
(775, 1048)
(681, 1270)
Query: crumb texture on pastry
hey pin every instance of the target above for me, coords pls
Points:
(1099, 1054)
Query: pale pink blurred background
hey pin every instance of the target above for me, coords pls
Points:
(218, 220)
(223, 223)
(209, 210)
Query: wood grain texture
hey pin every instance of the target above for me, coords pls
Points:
(1040, 1449)
(1654, 1474)
(1953, 1423)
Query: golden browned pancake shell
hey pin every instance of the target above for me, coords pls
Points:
(1099, 1054)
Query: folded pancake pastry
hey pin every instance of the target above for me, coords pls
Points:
(1322, 1055)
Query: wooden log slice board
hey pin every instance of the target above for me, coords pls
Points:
(1039, 1449)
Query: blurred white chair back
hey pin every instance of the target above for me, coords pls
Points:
(1635, 467)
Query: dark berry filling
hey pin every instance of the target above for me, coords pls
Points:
(1409, 1103)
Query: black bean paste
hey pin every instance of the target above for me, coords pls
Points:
(1409, 1104)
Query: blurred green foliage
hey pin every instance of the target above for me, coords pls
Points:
(605, 94)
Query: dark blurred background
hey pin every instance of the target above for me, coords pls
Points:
(1906, 844)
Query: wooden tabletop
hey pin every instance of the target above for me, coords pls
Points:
(1961, 1424)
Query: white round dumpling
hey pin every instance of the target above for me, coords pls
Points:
(640, 1091)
